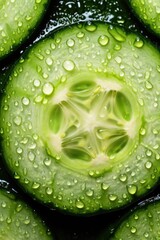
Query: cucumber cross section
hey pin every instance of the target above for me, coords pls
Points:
(18, 19)
(19, 221)
(140, 223)
(148, 12)
(80, 119)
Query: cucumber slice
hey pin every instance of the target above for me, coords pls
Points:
(142, 223)
(19, 221)
(148, 12)
(80, 119)
(18, 19)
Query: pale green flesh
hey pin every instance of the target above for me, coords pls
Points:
(18, 18)
(93, 122)
(80, 119)
(149, 13)
(142, 223)
(19, 221)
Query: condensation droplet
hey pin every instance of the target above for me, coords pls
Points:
(148, 165)
(149, 153)
(80, 35)
(79, 204)
(37, 83)
(17, 120)
(123, 177)
(48, 88)
(138, 43)
(89, 193)
(132, 189)
(142, 131)
(133, 230)
(91, 27)
(70, 42)
(103, 40)
(25, 101)
(105, 186)
(35, 185)
(119, 36)
(112, 197)
(31, 156)
(47, 162)
(49, 61)
(49, 191)
(148, 85)
(69, 65)
(19, 150)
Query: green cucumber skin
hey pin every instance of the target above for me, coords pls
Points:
(148, 13)
(19, 221)
(140, 223)
(126, 56)
(18, 20)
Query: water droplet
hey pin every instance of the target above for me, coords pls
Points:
(157, 156)
(3, 204)
(148, 165)
(79, 204)
(117, 34)
(90, 27)
(47, 162)
(80, 35)
(5, 107)
(118, 59)
(45, 75)
(103, 40)
(112, 197)
(48, 88)
(149, 153)
(136, 217)
(49, 61)
(19, 207)
(16, 176)
(70, 42)
(105, 186)
(8, 220)
(19, 150)
(25, 101)
(158, 68)
(138, 43)
(35, 185)
(132, 189)
(123, 177)
(133, 230)
(17, 120)
(89, 193)
(49, 191)
(69, 65)
(31, 156)
(148, 85)
(140, 101)
(142, 131)
(38, 99)
(146, 235)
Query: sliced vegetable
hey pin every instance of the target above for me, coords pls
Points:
(19, 221)
(148, 11)
(142, 223)
(18, 18)
(80, 119)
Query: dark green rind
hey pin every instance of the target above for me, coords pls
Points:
(18, 19)
(19, 221)
(148, 13)
(127, 57)
(141, 223)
